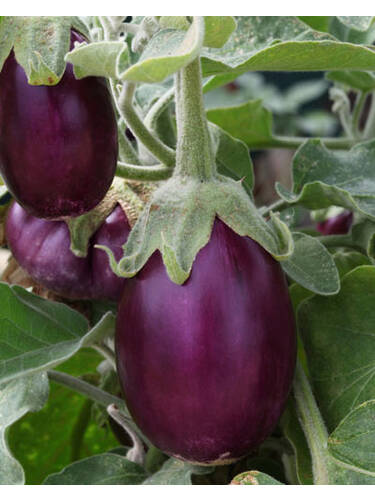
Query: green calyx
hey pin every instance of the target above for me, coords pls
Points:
(179, 217)
(83, 227)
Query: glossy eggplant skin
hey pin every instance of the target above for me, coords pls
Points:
(58, 144)
(42, 248)
(339, 224)
(206, 367)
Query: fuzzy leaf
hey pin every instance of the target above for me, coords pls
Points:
(18, 397)
(175, 471)
(107, 468)
(360, 23)
(218, 29)
(360, 80)
(353, 440)
(167, 52)
(323, 178)
(339, 339)
(180, 216)
(232, 157)
(250, 122)
(312, 266)
(108, 59)
(254, 478)
(283, 43)
(36, 334)
(7, 34)
(318, 23)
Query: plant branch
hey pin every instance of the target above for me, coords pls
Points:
(127, 153)
(369, 132)
(277, 206)
(143, 173)
(357, 113)
(296, 142)
(157, 109)
(101, 397)
(312, 425)
(156, 147)
(106, 353)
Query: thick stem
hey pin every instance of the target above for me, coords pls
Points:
(162, 152)
(194, 156)
(313, 426)
(143, 173)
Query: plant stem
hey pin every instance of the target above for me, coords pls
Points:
(194, 154)
(107, 354)
(157, 109)
(277, 206)
(126, 151)
(143, 173)
(357, 113)
(369, 132)
(313, 426)
(94, 393)
(156, 147)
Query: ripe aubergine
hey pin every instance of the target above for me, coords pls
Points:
(339, 224)
(58, 144)
(206, 367)
(42, 248)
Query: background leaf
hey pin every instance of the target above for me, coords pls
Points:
(17, 398)
(175, 471)
(312, 266)
(107, 468)
(254, 478)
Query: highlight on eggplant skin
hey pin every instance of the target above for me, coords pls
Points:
(339, 224)
(42, 248)
(58, 144)
(206, 367)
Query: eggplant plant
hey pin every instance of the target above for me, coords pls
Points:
(159, 325)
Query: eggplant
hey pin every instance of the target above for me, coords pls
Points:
(339, 224)
(206, 367)
(58, 144)
(42, 248)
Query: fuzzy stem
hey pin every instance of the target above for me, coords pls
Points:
(194, 156)
(296, 142)
(157, 109)
(369, 132)
(276, 206)
(357, 113)
(313, 426)
(143, 173)
(126, 151)
(94, 393)
(156, 147)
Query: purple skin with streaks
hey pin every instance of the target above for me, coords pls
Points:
(58, 144)
(206, 367)
(41, 247)
(340, 224)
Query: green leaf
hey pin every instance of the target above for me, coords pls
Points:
(175, 471)
(218, 29)
(7, 33)
(16, 399)
(353, 440)
(312, 266)
(107, 468)
(36, 334)
(65, 429)
(283, 43)
(167, 52)
(354, 29)
(339, 339)
(254, 478)
(108, 59)
(323, 178)
(232, 157)
(346, 261)
(250, 122)
(360, 80)
(318, 23)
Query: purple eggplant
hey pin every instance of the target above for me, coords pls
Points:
(206, 367)
(58, 144)
(42, 248)
(339, 224)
